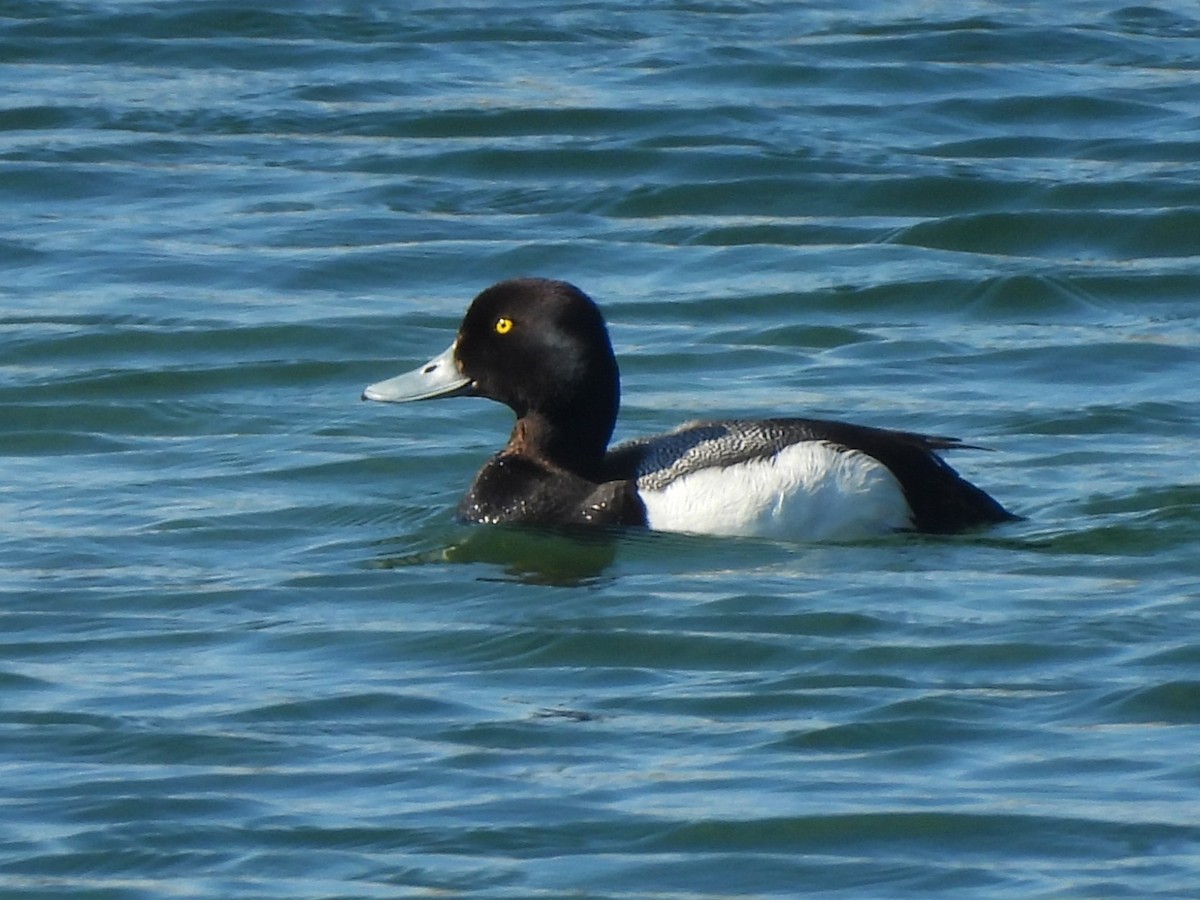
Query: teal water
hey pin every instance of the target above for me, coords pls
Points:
(245, 651)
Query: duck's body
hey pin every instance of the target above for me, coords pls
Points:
(542, 348)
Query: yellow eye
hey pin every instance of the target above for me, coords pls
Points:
(503, 325)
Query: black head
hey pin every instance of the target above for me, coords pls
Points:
(541, 347)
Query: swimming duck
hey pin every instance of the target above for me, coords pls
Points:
(541, 347)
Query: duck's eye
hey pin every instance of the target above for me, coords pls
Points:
(503, 325)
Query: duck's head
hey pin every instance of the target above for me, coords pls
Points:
(541, 348)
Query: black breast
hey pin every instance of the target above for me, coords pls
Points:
(513, 488)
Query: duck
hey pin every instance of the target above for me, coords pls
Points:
(541, 347)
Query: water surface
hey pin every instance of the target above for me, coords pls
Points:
(246, 651)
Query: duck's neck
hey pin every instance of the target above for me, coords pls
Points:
(570, 422)
(577, 445)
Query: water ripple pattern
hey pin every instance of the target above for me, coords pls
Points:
(246, 651)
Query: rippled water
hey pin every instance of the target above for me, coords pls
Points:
(246, 651)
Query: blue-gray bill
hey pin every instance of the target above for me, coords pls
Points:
(440, 377)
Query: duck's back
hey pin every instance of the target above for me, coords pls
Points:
(803, 479)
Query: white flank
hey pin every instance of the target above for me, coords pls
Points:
(808, 491)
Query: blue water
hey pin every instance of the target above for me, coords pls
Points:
(246, 651)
